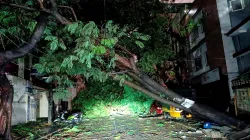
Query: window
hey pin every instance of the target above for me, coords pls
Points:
(195, 34)
(206, 59)
(241, 41)
(198, 63)
(236, 5)
(243, 63)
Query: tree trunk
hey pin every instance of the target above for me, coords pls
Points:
(6, 99)
(50, 108)
(198, 109)
(6, 90)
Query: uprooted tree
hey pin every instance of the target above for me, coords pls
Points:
(84, 49)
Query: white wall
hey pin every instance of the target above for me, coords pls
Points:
(229, 49)
(43, 105)
(21, 112)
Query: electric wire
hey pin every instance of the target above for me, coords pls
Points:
(21, 39)
(18, 46)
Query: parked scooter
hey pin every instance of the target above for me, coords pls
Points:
(66, 117)
(75, 118)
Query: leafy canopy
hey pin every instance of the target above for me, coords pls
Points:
(84, 49)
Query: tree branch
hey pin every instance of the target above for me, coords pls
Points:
(56, 14)
(72, 10)
(53, 12)
(152, 95)
(60, 18)
(124, 49)
(53, 4)
(120, 72)
(18, 6)
(26, 48)
(133, 65)
(2, 42)
(40, 4)
(124, 61)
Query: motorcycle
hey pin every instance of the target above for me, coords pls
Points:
(66, 117)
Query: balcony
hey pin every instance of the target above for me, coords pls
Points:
(240, 17)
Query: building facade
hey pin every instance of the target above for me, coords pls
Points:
(239, 14)
(218, 51)
(205, 54)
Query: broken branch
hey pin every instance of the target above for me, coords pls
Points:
(53, 12)
(40, 4)
(18, 6)
(71, 9)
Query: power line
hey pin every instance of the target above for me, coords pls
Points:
(21, 39)
(18, 46)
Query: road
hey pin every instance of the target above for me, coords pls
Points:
(133, 128)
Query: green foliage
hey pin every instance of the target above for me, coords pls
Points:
(184, 30)
(140, 44)
(87, 46)
(87, 49)
(61, 93)
(74, 129)
(137, 102)
(157, 56)
(107, 97)
(16, 26)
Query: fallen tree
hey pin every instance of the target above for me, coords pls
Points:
(97, 52)
(102, 52)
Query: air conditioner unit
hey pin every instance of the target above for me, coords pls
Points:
(236, 5)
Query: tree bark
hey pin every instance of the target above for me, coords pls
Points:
(6, 99)
(50, 107)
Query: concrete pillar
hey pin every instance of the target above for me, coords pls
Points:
(21, 67)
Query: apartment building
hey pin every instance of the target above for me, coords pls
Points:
(239, 15)
(204, 53)
(217, 51)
